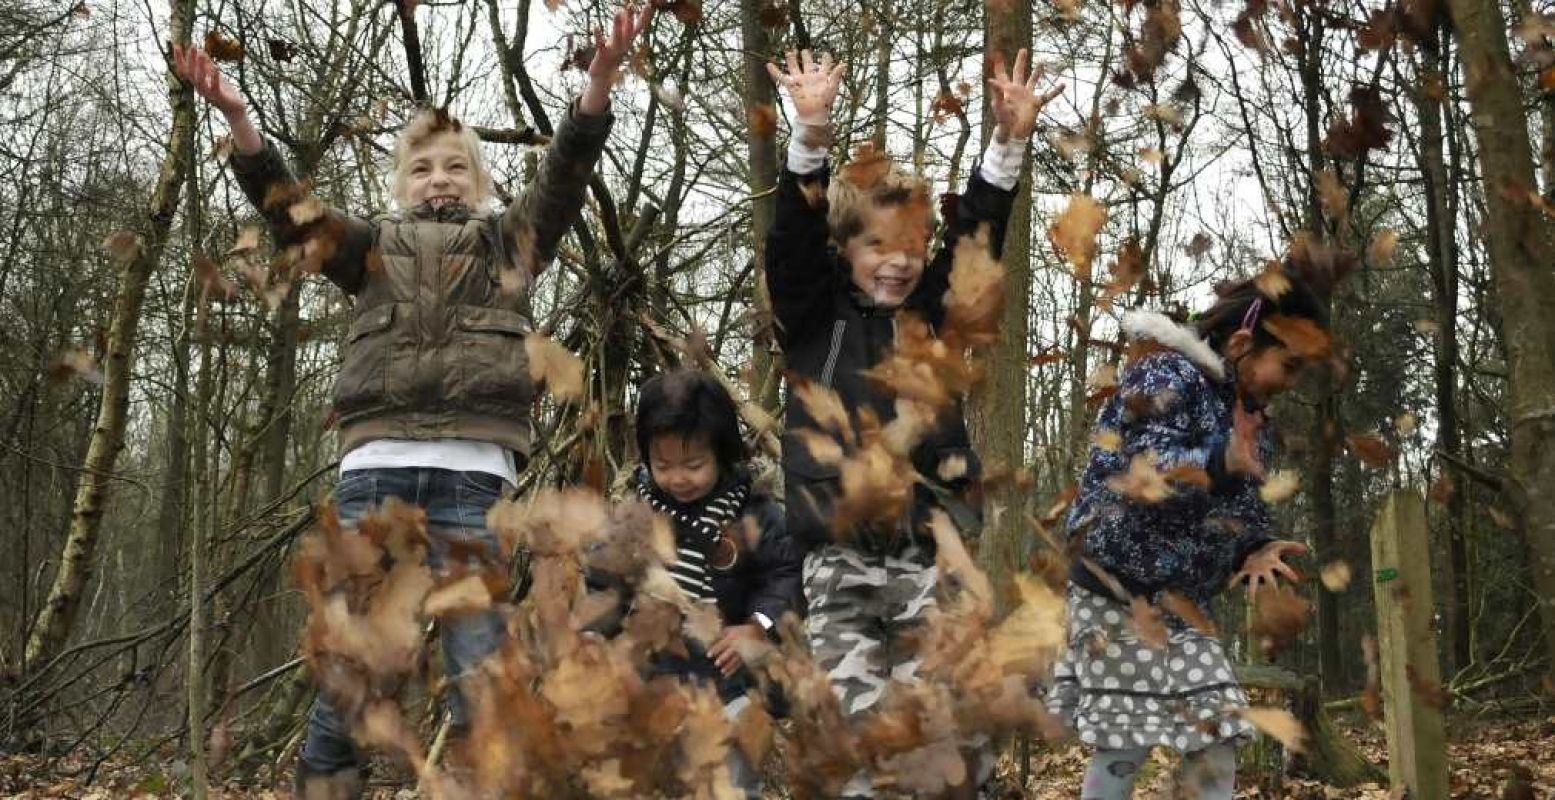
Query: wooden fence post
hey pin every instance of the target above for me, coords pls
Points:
(1400, 556)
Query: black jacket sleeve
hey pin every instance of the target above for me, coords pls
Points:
(801, 275)
(778, 581)
(982, 203)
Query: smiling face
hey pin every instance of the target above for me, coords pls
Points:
(885, 258)
(685, 467)
(440, 171)
(1263, 372)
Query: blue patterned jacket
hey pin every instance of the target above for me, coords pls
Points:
(1174, 402)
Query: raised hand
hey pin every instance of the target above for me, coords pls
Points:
(1014, 100)
(194, 66)
(1266, 565)
(811, 85)
(610, 53)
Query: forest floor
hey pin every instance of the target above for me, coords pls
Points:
(1483, 755)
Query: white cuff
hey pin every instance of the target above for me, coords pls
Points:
(1002, 162)
(764, 621)
(802, 158)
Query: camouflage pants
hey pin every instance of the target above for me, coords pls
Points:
(861, 608)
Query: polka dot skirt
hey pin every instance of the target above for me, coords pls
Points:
(1118, 692)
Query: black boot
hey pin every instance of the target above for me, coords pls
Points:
(347, 784)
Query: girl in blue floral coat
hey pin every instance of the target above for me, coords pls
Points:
(1189, 403)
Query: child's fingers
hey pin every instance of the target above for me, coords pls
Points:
(807, 60)
(793, 62)
(826, 63)
(777, 75)
(1018, 75)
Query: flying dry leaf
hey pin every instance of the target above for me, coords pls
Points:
(1074, 232)
(1300, 335)
(1272, 282)
(464, 596)
(689, 12)
(762, 119)
(1279, 616)
(1107, 439)
(1148, 623)
(1127, 271)
(867, 168)
(248, 240)
(75, 363)
(1189, 612)
(1280, 486)
(1335, 576)
(1370, 449)
(1278, 723)
(669, 96)
(553, 5)
(1334, 198)
(1142, 483)
(555, 366)
(220, 48)
(1406, 424)
(213, 285)
(1380, 251)
(1103, 377)
(122, 246)
(1167, 113)
(974, 303)
(1428, 327)
(305, 210)
(1502, 519)
(1152, 155)
(1199, 245)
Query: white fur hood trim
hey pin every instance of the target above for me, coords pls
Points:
(1182, 338)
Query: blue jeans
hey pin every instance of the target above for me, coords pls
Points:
(456, 505)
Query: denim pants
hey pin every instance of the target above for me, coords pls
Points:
(456, 505)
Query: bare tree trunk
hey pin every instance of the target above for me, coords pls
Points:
(57, 615)
(1325, 422)
(761, 142)
(1521, 251)
(1441, 221)
(172, 509)
(999, 411)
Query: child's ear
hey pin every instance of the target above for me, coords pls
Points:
(1240, 344)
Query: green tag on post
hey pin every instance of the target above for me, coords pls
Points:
(1387, 574)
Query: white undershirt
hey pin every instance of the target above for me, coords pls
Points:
(1000, 165)
(458, 455)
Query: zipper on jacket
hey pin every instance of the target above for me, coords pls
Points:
(837, 330)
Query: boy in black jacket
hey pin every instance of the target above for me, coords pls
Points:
(839, 272)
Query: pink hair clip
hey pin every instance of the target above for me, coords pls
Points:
(1251, 317)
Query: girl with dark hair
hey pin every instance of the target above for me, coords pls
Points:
(1190, 402)
(694, 471)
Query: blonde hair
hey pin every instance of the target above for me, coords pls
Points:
(420, 131)
(870, 182)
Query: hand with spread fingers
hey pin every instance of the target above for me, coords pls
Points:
(1267, 565)
(196, 66)
(811, 85)
(610, 53)
(1014, 100)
